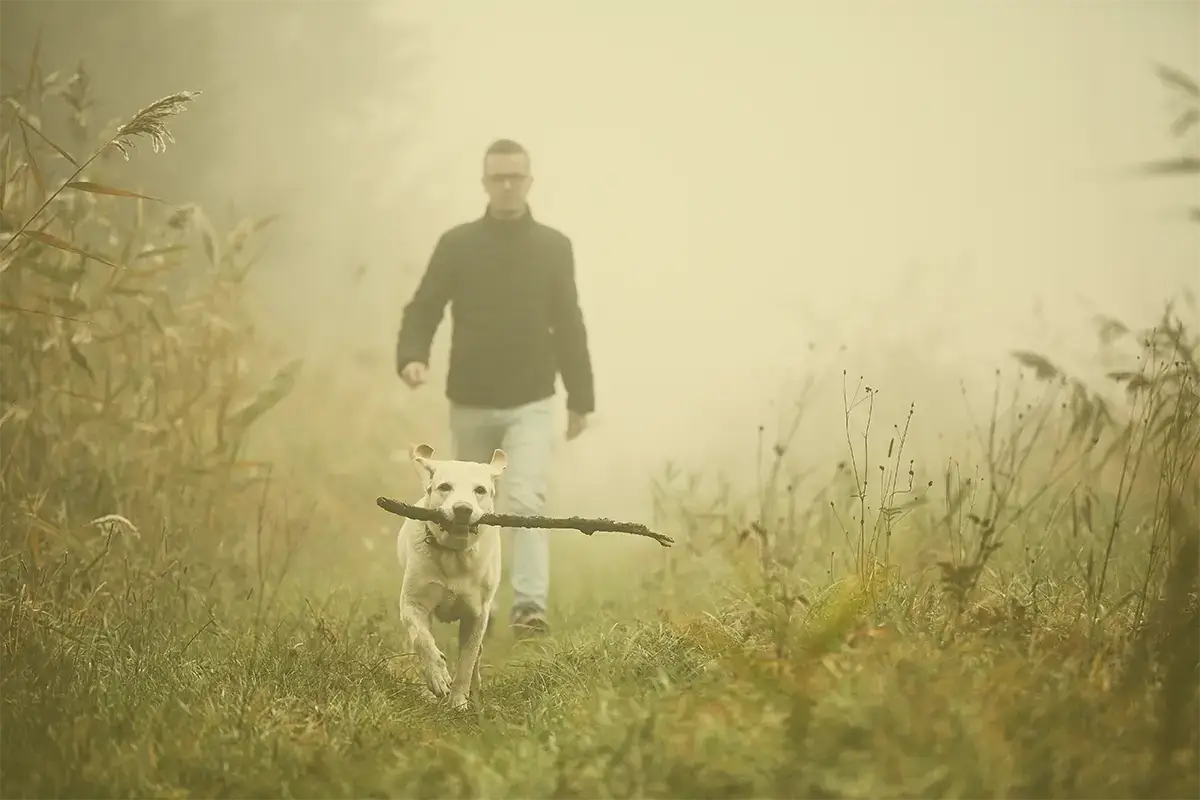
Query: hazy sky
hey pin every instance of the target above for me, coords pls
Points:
(914, 180)
(741, 179)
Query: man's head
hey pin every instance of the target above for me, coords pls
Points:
(461, 491)
(506, 177)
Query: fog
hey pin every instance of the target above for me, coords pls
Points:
(929, 184)
(758, 193)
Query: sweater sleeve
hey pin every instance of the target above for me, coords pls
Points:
(424, 312)
(570, 337)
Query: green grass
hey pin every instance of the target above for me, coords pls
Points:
(134, 695)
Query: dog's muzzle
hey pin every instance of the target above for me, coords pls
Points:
(462, 513)
(458, 522)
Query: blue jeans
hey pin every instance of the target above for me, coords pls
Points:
(526, 435)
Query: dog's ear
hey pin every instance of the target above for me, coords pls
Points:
(420, 455)
(499, 462)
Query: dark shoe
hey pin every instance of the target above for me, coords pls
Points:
(528, 622)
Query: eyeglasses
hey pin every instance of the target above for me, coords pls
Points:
(503, 177)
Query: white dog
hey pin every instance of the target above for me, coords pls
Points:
(451, 568)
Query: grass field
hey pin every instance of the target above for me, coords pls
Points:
(174, 683)
(1026, 629)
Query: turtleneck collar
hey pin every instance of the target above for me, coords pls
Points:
(523, 221)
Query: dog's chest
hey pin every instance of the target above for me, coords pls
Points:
(462, 573)
(460, 588)
(457, 565)
(469, 572)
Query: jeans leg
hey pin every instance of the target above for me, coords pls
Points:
(474, 433)
(529, 444)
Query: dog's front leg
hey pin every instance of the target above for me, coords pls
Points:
(432, 661)
(476, 683)
(470, 643)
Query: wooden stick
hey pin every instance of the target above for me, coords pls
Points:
(583, 525)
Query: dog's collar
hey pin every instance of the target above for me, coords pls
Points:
(432, 540)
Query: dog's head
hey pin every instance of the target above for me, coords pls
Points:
(461, 491)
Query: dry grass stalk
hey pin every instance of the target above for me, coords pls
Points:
(151, 122)
(584, 525)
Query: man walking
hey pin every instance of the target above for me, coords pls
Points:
(510, 281)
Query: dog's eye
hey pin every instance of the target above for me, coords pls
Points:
(445, 487)
(481, 490)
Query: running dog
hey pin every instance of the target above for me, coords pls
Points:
(451, 568)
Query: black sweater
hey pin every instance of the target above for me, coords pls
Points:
(517, 322)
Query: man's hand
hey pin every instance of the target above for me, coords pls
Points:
(576, 423)
(414, 374)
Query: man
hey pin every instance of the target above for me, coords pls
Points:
(510, 281)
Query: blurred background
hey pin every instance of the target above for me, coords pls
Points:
(761, 195)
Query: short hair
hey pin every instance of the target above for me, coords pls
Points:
(504, 147)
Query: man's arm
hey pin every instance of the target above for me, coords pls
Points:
(570, 337)
(424, 312)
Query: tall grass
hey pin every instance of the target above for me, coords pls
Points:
(1026, 627)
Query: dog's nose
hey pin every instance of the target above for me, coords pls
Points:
(463, 511)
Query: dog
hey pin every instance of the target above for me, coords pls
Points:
(451, 568)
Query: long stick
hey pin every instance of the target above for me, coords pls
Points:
(581, 524)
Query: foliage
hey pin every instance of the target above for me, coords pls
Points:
(114, 366)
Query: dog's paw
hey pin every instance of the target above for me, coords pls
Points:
(438, 683)
(459, 700)
(437, 677)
